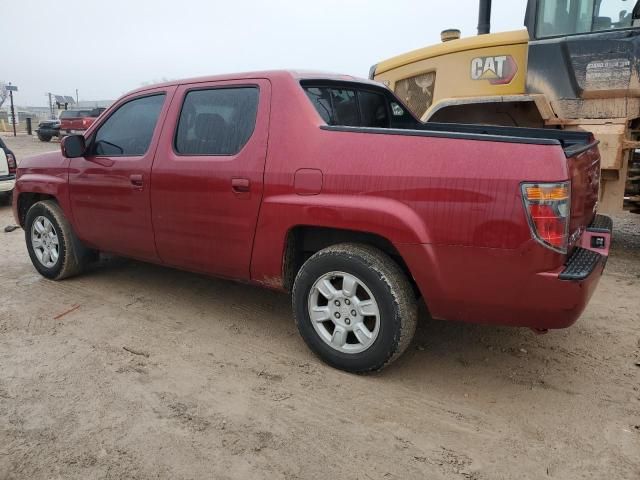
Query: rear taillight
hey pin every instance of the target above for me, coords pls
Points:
(548, 207)
(11, 162)
(85, 122)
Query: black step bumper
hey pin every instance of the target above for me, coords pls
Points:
(592, 251)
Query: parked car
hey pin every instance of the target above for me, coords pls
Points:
(77, 121)
(47, 129)
(327, 187)
(8, 167)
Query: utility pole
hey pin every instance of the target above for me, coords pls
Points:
(53, 115)
(11, 89)
(76, 96)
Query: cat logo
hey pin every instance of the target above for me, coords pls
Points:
(499, 70)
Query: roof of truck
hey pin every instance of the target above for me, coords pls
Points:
(268, 74)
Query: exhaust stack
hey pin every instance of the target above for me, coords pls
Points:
(484, 17)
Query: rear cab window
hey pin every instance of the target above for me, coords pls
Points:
(357, 105)
(73, 114)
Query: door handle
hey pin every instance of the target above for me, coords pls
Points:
(136, 181)
(240, 185)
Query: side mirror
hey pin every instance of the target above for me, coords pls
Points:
(73, 146)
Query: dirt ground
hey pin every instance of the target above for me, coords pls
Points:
(138, 371)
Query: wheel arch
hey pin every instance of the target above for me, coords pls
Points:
(33, 186)
(302, 241)
(26, 200)
(287, 220)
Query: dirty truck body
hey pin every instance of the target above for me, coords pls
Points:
(575, 67)
(328, 187)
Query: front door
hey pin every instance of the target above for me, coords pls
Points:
(207, 179)
(109, 187)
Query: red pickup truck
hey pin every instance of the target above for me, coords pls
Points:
(77, 121)
(327, 187)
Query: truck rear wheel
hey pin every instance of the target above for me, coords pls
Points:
(354, 307)
(55, 251)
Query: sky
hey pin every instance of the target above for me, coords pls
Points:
(106, 48)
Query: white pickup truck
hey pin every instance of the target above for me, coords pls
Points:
(7, 171)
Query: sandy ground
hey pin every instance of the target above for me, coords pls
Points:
(221, 386)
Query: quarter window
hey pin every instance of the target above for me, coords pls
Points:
(128, 131)
(321, 100)
(348, 107)
(216, 121)
(345, 108)
(373, 109)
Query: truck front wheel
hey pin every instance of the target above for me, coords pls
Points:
(55, 251)
(354, 307)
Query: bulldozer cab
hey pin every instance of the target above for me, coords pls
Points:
(552, 18)
(584, 59)
(582, 52)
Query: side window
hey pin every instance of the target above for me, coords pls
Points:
(373, 108)
(128, 131)
(216, 121)
(612, 14)
(570, 17)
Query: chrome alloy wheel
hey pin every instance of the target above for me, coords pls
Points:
(344, 312)
(44, 240)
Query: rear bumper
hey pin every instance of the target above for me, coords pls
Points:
(7, 183)
(528, 287)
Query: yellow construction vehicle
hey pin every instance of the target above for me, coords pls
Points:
(575, 66)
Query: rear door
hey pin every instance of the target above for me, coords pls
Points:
(110, 186)
(207, 178)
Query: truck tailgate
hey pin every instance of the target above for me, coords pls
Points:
(583, 163)
(584, 172)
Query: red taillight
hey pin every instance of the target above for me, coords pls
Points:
(11, 162)
(85, 122)
(548, 208)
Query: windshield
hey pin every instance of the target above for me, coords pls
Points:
(568, 17)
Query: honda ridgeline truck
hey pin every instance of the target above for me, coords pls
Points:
(329, 188)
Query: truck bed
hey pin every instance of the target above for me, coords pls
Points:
(572, 143)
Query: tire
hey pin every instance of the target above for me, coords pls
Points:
(385, 305)
(71, 256)
(44, 138)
